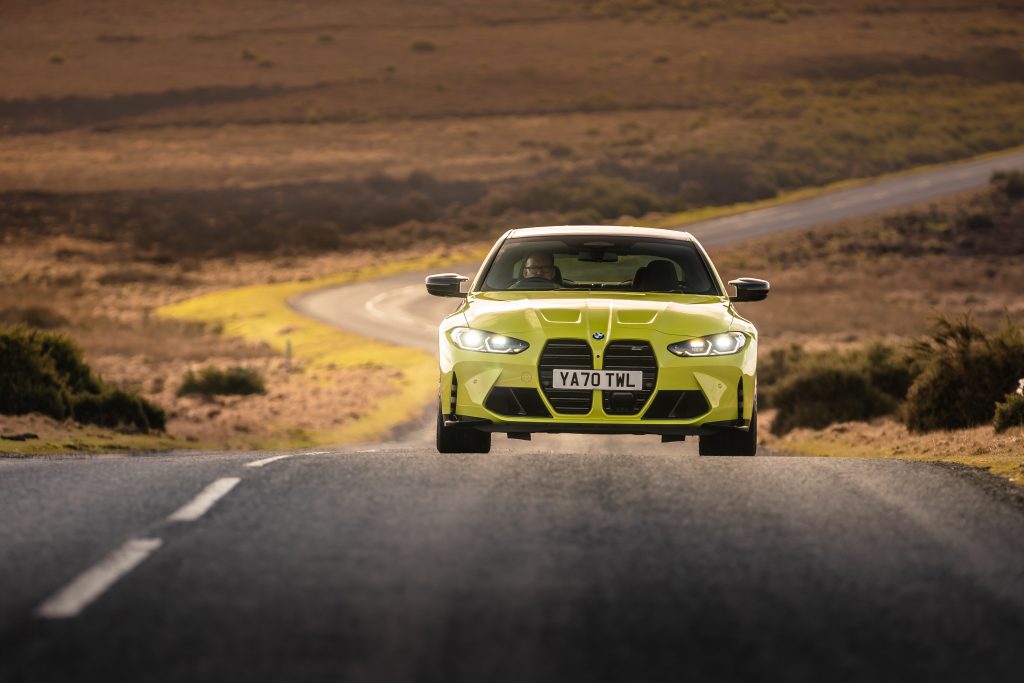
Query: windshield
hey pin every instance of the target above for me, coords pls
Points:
(590, 262)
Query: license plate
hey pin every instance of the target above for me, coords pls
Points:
(604, 380)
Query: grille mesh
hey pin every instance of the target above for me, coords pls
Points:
(631, 355)
(569, 354)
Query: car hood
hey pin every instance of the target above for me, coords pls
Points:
(617, 315)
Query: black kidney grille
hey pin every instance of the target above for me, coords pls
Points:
(565, 353)
(630, 355)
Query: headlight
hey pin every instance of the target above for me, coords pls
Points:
(468, 339)
(713, 345)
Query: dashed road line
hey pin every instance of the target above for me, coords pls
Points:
(93, 582)
(197, 507)
(267, 461)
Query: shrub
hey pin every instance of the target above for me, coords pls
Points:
(423, 45)
(967, 372)
(29, 381)
(1010, 183)
(115, 408)
(820, 395)
(889, 369)
(1009, 413)
(216, 382)
(45, 373)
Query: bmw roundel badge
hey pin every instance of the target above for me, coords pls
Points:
(599, 336)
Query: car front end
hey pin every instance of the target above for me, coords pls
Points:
(600, 330)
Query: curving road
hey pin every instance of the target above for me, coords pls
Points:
(398, 310)
(562, 559)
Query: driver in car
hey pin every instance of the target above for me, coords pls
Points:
(539, 266)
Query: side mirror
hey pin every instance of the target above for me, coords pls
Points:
(750, 289)
(445, 284)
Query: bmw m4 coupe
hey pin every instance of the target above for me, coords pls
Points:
(597, 330)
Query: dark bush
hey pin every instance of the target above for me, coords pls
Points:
(67, 359)
(1009, 413)
(29, 381)
(115, 409)
(967, 372)
(889, 369)
(1010, 183)
(818, 396)
(216, 382)
(42, 372)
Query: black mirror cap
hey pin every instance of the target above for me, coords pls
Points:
(750, 289)
(445, 284)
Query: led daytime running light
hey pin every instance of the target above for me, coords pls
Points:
(469, 339)
(723, 344)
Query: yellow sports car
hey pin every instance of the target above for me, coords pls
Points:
(602, 330)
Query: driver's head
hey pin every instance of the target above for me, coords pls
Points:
(539, 265)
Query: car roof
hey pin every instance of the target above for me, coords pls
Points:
(600, 231)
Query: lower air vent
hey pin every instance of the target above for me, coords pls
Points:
(516, 402)
(565, 353)
(677, 405)
(630, 355)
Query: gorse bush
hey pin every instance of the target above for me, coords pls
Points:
(211, 381)
(42, 372)
(821, 395)
(951, 380)
(967, 371)
(1010, 183)
(817, 389)
(115, 408)
(1009, 413)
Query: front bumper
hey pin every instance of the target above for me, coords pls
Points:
(566, 427)
(727, 384)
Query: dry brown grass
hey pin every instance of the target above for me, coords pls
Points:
(850, 283)
(1002, 454)
(134, 350)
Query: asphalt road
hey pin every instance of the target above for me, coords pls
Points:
(400, 564)
(562, 559)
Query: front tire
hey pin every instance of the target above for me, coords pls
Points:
(460, 440)
(737, 443)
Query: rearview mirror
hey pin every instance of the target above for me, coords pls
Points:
(445, 284)
(750, 289)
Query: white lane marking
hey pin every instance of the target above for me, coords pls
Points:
(371, 305)
(376, 306)
(197, 507)
(275, 458)
(93, 582)
(267, 461)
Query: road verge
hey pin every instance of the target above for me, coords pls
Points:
(262, 314)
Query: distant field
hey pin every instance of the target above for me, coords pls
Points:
(312, 124)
